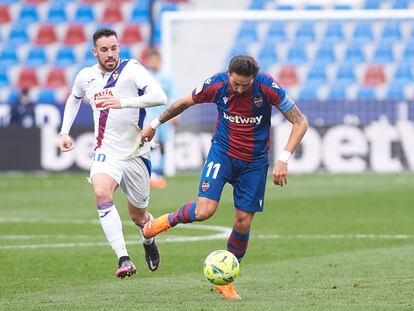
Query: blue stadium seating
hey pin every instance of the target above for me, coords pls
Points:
(65, 56)
(408, 53)
(125, 53)
(395, 91)
(140, 13)
(18, 35)
(401, 4)
(36, 57)
(84, 14)
(46, 96)
(363, 32)
(276, 32)
(345, 74)
(324, 55)
(28, 14)
(247, 33)
(317, 75)
(308, 92)
(337, 92)
(4, 79)
(285, 7)
(404, 74)
(372, 4)
(366, 94)
(56, 14)
(383, 54)
(334, 32)
(296, 55)
(354, 54)
(8, 57)
(391, 32)
(313, 7)
(305, 32)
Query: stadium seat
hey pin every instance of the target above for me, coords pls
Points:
(366, 94)
(324, 55)
(308, 92)
(342, 7)
(125, 53)
(18, 35)
(84, 14)
(337, 92)
(140, 13)
(395, 91)
(75, 34)
(401, 4)
(56, 14)
(296, 55)
(403, 74)
(371, 4)
(131, 34)
(305, 32)
(65, 56)
(334, 32)
(383, 54)
(267, 54)
(313, 7)
(363, 32)
(257, 5)
(391, 32)
(374, 75)
(28, 14)
(276, 32)
(408, 53)
(354, 54)
(56, 78)
(112, 14)
(8, 57)
(46, 96)
(88, 58)
(13, 96)
(247, 33)
(27, 78)
(345, 74)
(36, 57)
(288, 76)
(46, 35)
(285, 7)
(317, 75)
(4, 14)
(4, 78)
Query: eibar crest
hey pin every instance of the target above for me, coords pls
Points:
(258, 100)
(205, 185)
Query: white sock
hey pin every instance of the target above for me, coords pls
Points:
(112, 226)
(140, 229)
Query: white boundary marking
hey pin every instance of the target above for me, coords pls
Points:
(221, 233)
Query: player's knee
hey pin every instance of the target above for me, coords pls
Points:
(204, 210)
(242, 224)
(102, 195)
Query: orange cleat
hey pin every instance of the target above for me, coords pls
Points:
(156, 226)
(228, 291)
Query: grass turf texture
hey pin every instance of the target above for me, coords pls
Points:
(324, 242)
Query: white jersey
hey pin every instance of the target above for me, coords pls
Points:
(117, 131)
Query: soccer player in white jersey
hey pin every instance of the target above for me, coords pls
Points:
(119, 91)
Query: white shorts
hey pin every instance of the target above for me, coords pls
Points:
(132, 175)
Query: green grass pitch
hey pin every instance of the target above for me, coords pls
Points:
(324, 242)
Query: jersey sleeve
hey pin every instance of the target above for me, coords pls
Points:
(277, 95)
(77, 88)
(206, 92)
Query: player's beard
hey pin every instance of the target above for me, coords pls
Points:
(113, 64)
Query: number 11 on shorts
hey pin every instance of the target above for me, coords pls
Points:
(213, 166)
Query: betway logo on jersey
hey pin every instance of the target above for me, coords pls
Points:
(243, 120)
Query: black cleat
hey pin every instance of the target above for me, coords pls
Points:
(126, 267)
(152, 256)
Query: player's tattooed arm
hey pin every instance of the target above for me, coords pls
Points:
(176, 108)
(299, 127)
(294, 116)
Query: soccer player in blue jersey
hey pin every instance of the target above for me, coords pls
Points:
(239, 149)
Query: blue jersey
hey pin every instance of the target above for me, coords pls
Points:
(243, 122)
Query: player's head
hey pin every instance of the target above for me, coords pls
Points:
(106, 48)
(153, 59)
(242, 71)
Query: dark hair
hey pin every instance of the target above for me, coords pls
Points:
(103, 32)
(243, 65)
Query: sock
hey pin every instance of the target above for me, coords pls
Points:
(112, 227)
(184, 215)
(141, 228)
(237, 243)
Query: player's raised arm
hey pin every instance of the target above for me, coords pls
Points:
(172, 111)
(299, 128)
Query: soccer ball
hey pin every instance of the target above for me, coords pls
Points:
(221, 267)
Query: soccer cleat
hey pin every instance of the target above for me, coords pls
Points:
(152, 256)
(228, 291)
(156, 226)
(125, 267)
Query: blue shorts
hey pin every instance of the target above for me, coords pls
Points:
(248, 180)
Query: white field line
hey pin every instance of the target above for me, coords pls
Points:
(221, 233)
